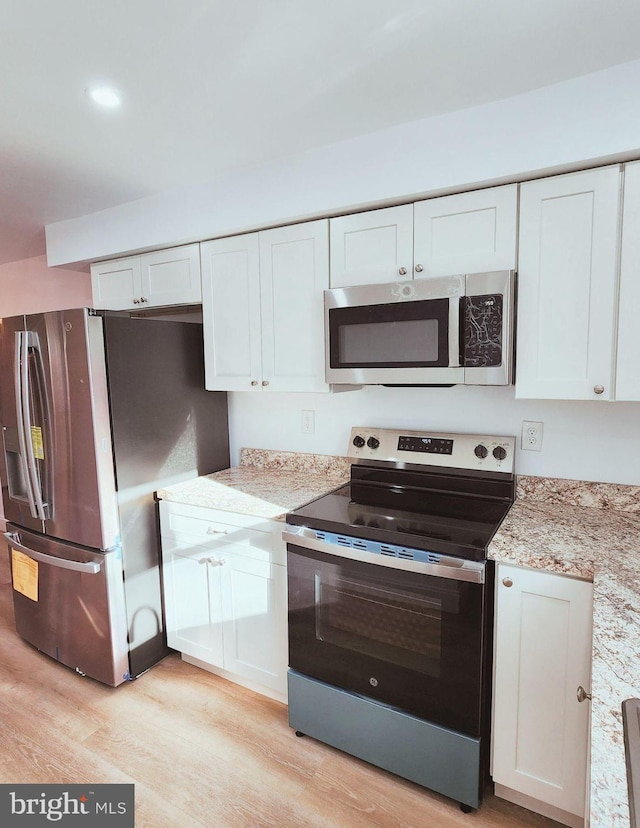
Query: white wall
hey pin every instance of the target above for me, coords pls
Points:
(29, 286)
(582, 440)
(564, 126)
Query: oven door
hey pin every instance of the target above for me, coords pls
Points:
(409, 639)
(400, 333)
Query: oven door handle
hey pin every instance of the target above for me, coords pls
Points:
(454, 569)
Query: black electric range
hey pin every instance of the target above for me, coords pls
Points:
(441, 493)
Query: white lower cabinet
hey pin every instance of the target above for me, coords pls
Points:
(225, 593)
(540, 744)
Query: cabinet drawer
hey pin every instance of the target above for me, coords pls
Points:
(212, 529)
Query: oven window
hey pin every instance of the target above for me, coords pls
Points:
(395, 335)
(397, 627)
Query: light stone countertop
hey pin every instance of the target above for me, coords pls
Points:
(587, 530)
(266, 484)
(602, 544)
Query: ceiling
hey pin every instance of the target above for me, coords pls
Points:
(213, 86)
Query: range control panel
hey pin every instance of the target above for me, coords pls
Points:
(460, 451)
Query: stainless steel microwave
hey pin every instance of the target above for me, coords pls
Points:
(443, 331)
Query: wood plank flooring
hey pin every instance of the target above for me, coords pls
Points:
(202, 752)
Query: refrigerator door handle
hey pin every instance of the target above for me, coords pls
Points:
(90, 568)
(21, 376)
(28, 339)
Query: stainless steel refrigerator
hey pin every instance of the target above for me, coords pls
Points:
(97, 412)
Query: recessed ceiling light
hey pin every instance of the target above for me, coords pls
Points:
(104, 96)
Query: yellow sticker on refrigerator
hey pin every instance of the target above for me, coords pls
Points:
(24, 571)
(37, 442)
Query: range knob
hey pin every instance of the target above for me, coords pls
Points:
(358, 441)
(373, 442)
(499, 453)
(480, 451)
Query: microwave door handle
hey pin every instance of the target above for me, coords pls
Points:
(455, 331)
(29, 339)
(21, 379)
(89, 568)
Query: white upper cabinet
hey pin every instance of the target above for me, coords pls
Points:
(231, 313)
(263, 309)
(464, 233)
(116, 285)
(164, 277)
(471, 232)
(372, 247)
(628, 356)
(567, 285)
(294, 273)
(172, 277)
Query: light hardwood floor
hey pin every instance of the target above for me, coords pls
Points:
(200, 750)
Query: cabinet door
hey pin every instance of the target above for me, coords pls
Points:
(231, 313)
(628, 359)
(567, 285)
(542, 655)
(372, 247)
(466, 233)
(255, 619)
(116, 285)
(171, 277)
(294, 272)
(193, 602)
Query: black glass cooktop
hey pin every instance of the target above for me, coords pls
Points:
(452, 523)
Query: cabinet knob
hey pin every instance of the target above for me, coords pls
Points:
(265, 382)
(419, 268)
(254, 382)
(143, 299)
(598, 389)
(507, 582)
(136, 301)
(582, 695)
(402, 271)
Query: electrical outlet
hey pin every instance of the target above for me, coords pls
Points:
(308, 422)
(532, 435)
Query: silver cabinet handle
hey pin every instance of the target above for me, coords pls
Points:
(90, 568)
(212, 561)
(582, 695)
(507, 582)
(598, 389)
(212, 531)
(254, 382)
(402, 271)
(419, 268)
(265, 382)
